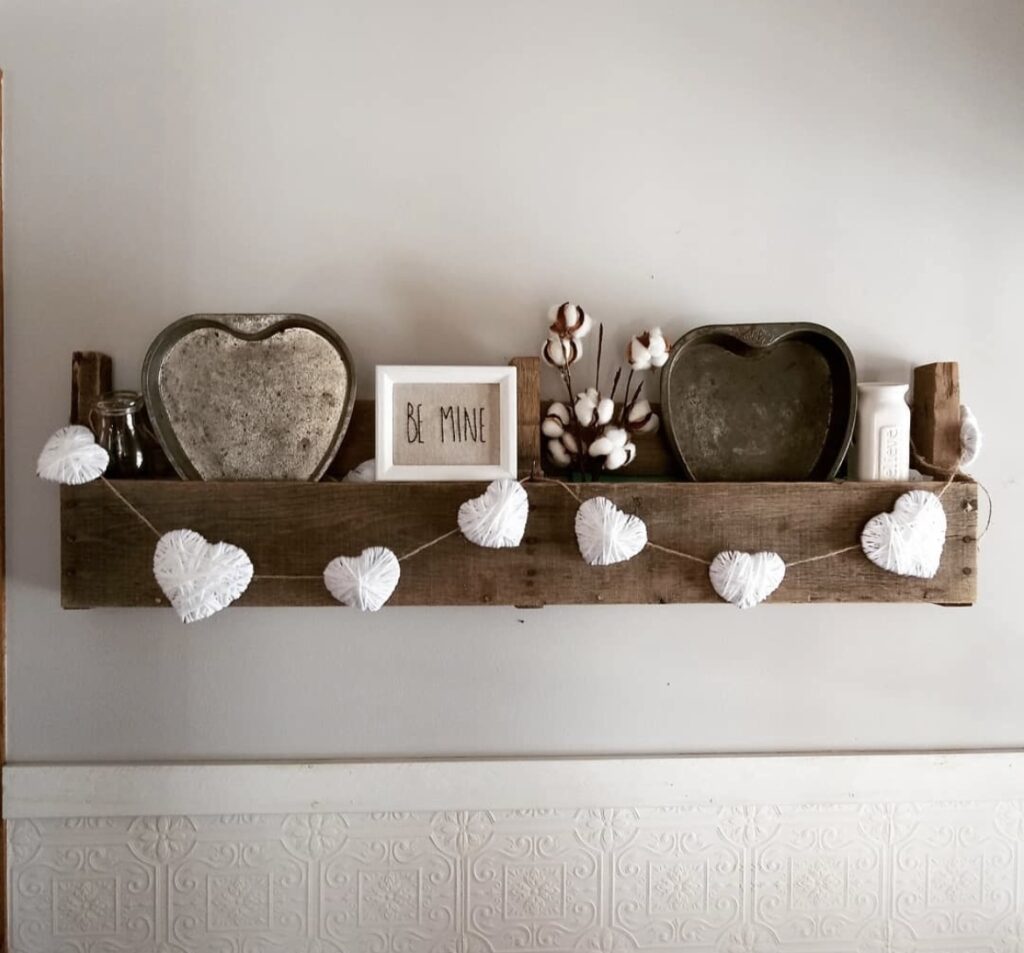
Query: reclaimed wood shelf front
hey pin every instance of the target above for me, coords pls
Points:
(296, 528)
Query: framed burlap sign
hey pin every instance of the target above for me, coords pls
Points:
(446, 423)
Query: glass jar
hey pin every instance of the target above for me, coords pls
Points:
(882, 437)
(116, 419)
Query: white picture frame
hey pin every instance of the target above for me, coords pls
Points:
(388, 375)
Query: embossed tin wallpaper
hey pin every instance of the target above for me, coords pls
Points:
(759, 878)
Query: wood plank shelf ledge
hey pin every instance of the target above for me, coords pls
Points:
(297, 528)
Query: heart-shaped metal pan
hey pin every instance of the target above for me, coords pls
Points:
(750, 402)
(249, 396)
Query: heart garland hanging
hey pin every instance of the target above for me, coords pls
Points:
(72, 456)
(970, 437)
(746, 579)
(497, 518)
(199, 578)
(365, 581)
(606, 535)
(909, 540)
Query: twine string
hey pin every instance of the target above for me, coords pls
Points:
(131, 508)
(678, 552)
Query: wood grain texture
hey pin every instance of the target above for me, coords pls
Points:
(935, 418)
(528, 412)
(296, 528)
(92, 375)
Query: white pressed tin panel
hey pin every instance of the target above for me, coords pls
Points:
(705, 870)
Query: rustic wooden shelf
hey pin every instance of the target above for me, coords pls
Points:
(296, 528)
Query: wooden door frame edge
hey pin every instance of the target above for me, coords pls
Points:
(3, 560)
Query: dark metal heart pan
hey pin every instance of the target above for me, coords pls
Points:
(249, 396)
(753, 402)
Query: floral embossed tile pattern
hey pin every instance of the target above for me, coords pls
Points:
(817, 878)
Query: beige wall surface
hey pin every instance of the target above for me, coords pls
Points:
(428, 178)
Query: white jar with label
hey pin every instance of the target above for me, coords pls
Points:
(882, 437)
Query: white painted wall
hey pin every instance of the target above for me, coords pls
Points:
(428, 177)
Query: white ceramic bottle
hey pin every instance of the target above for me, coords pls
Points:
(882, 437)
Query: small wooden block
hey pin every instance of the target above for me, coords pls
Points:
(92, 375)
(935, 421)
(528, 385)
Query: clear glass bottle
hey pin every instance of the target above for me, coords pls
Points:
(117, 421)
(882, 436)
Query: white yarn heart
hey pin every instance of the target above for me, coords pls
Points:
(199, 578)
(497, 518)
(72, 456)
(365, 581)
(909, 540)
(745, 579)
(366, 472)
(606, 535)
(970, 437)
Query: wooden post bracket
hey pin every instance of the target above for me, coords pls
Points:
(935, 419)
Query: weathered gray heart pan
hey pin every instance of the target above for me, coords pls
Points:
(760, 402)
(249, 396)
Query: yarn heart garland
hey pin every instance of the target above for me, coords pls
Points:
(909, 540)
(72, 456)
(497, 518)
(970, 437)
(746, 579)
(606, 535)
(365, 581)
(199, 578)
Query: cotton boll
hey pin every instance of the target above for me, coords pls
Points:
(558, 410)
(570, 320)
(553, 424)
(559, 455)
(556, 351)
(613, 439)
(637, 355)
(659, 348)
(651, 425)
(620, 457)
(556, 420)
(366, 472)
(583, 328)
(569, 440)
(586, 407)
(641, 418)
(605, 410)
